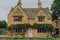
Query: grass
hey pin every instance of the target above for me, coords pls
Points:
(28, 38)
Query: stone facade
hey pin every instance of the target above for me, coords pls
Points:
(30, 16)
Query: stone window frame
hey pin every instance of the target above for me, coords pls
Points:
(39, 30)
(41, 18)
(17, 18)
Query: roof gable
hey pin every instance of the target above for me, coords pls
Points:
(41, 13)
(47, 12)
(31, 12)
(17, 10)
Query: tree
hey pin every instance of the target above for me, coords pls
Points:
(3, 27)
(3, 24)
(55, 9)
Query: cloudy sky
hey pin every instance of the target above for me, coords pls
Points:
(5, 6)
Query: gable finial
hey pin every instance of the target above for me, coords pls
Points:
(19, 2)
(39, 2)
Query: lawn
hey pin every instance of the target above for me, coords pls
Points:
(29, 39)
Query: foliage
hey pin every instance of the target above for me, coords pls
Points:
(47, 27)
(2, 31)
(55, 9)
(44, 27)
(29, 38)
(3, 24)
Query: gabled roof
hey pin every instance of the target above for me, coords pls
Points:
(31, 12)
(47, 12)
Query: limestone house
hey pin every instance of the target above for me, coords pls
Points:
(29, 22)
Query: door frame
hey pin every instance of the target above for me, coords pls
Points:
(30, 32)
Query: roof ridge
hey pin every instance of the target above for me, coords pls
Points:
(29, 8)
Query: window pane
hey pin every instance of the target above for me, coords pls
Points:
(17, 18)
(43, 30)
(39, 30)
(41, 18)
(19, 30)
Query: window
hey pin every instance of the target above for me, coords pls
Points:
(19, 30)
(41, 18)
(17, 18)
(41, 30)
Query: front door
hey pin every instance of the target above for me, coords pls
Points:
(30, 32)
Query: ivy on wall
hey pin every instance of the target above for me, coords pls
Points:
(47, 27)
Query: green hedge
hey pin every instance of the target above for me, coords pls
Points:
(2, 31)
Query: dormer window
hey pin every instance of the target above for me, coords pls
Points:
(40, 18)
(17, 18)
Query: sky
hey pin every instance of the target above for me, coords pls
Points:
(5, 6)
